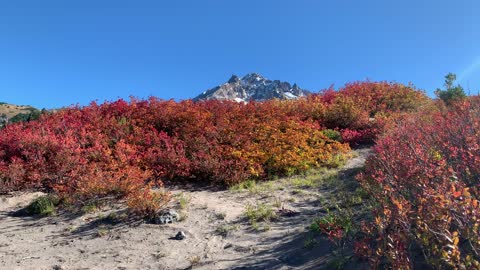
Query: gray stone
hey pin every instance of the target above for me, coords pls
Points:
(166, 217)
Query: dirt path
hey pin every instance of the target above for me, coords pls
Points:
(218, 235)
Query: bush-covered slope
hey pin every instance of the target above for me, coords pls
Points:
(424, 177)
(123, 148)
(17, 113)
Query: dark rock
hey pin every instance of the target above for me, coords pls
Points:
(180, 235)
(287, 212)
(234, 79)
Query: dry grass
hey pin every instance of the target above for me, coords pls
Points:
(11, 110)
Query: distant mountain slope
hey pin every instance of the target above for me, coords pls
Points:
(17, 113)
(253, 87)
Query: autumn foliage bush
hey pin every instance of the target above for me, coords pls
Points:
(361, 111)
(424, 177)
(122, 149)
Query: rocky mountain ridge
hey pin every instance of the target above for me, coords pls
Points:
(253, 86)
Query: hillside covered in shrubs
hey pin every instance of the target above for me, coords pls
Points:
(10, 113)
(422, 178)
(124, 148)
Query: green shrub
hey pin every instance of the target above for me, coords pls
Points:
(332, 134)
(259, 213)
(44, 206)
(451, 93)
(89, 208)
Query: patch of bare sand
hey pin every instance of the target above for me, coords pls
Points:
(17, 200)
(218, 234)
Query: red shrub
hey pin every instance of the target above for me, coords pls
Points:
(425, 178)
(354, 137)
(363, 110)
(120, 148)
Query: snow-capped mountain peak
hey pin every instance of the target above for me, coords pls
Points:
(253, 86)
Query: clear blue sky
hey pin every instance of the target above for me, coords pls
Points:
(57, 53)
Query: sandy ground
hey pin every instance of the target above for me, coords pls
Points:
(218, 234)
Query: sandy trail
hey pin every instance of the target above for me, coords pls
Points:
(218, 235)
